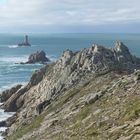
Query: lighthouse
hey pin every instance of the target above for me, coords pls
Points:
(25, 43)
(26, 39)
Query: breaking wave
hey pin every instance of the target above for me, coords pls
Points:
(13, 46)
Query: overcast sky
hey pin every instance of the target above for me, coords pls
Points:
(70, 15)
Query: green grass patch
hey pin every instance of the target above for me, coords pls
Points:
(132, 111)
(24, 129)
(83, 113)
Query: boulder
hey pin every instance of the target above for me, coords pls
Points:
(42, 105)
(93, 97)
(38, 57)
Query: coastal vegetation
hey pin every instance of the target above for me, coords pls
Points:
(90, 94)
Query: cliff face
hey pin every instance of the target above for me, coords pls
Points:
(82, 95)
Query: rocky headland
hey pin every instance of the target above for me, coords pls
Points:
(90, 94)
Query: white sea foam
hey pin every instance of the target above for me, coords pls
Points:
(13, 46)
(4, 116)
(16, 46)
(53, 58)
(1, 138)
(22, 58)
(2, 129)
(14, 59)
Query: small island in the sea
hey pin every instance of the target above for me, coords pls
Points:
(25, 43)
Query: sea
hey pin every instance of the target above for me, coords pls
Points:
(12, 73)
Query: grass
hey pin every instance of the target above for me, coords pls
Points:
(36, 123)
(24, 129)
(79, 129)
(92, 132)
(132, 110)
(83, 113)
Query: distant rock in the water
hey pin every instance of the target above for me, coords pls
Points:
(38, 57)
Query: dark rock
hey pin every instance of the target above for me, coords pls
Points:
(8, 122)
(42, 105)
(3, 124)
(11, 120)
(5, 95)
(11, 104)
(37, 76)
(38, 57)
(25, 43)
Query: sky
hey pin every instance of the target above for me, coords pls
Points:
(70, 16)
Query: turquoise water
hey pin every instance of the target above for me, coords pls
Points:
(53, 45)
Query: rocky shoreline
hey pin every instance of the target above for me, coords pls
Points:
(38, 57)
(79, 85)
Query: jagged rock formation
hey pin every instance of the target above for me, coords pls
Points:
(38, 57)
(5, 95)
(84, 95)
(15, 99)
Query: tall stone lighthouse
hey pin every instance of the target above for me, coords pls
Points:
(25, 43)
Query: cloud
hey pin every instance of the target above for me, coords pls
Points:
(68, 12)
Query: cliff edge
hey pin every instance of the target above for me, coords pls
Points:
(84, 95)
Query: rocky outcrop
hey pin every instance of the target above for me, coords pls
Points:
(91, 98)
(122, 53)
(42, 106)
(71, 69)
(38, 57)
(8, 122)
(14, 100)
(5, 95)
(37, 76)
(51, 91)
